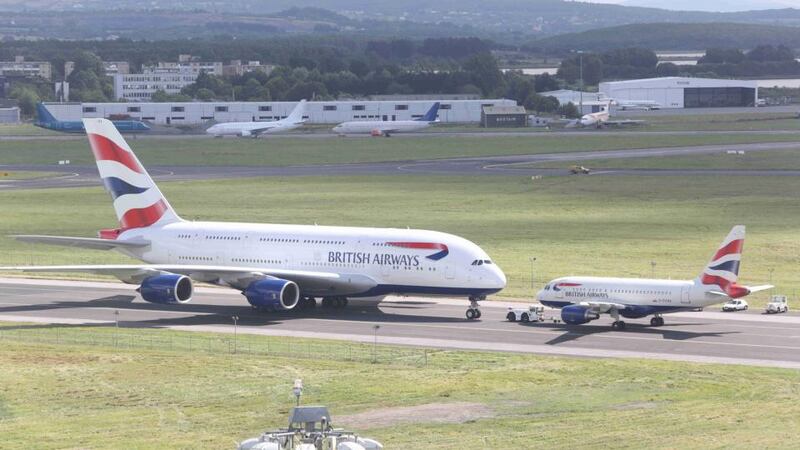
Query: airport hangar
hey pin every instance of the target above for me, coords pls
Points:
(331, 112)
(684, 92)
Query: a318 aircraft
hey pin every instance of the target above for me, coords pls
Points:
(276, 267)
(254, 129)
(583, 299)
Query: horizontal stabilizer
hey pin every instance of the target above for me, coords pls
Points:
(88, 243)
(763, 287)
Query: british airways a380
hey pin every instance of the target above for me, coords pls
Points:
(276, 267)
(583, 299)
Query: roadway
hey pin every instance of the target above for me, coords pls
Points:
(514, 165)
(748, 338)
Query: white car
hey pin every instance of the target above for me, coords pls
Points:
(736, 304)
(534, 313)
(777, 304)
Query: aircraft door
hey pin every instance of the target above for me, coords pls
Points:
(685, 296)
(449, 272)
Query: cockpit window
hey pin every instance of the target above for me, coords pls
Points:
(487, 261)
(480, 262)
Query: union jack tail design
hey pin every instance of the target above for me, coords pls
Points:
(137, 200)
(723, 270)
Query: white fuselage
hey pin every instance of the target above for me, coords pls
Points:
(380, 126)
(654, 295)
(252, 128)
(364, 252)
(594, 119)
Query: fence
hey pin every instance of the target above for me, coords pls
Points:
(250, 345)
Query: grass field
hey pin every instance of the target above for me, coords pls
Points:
(24, 130)
(23, 175)
(288, 151)
(766, 160)
(572, 225)
(79, 396)
(760, 121)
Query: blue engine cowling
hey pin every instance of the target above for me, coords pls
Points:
(273, 293)
(166, 289)
(578, 315)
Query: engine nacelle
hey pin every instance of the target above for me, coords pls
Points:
(578, 315)
(245, 133)
(166, 289)
(273, 293)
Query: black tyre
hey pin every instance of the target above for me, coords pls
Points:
(525, 318)
(478, 314)
(470, 314)
(511, 317)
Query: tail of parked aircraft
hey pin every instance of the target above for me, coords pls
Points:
(297, 113)
(430, 116)
(137, 200)
(43, 114)
(723, 269)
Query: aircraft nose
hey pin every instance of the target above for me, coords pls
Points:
(500, 278)
(540, 295)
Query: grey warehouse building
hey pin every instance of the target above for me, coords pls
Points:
(684, 92)
(504, 116)
(332, 112)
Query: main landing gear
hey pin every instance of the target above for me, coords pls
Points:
(307, 303)
(474, 312)
(617, 324)
(657, 321)
(334, 302)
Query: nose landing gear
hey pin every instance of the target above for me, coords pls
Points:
(474, 312)
(657, 321)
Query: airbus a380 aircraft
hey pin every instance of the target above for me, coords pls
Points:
(255, 129)
(388, 127)
(277, 267)
(583, 299)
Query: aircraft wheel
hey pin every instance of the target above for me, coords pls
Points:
(657, 321)
(619, 325)
(511, 317)
(478, 314)
(327, 302)
(470, 314)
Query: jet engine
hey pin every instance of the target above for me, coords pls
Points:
(273, 293)
(167, 289)
(578, 315)
(245, 133)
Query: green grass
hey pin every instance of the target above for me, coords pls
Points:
(612, 226)
(766, 160)
(78, 396)
(25, 129)
(289, 151)
(25, 175)
(760, 121)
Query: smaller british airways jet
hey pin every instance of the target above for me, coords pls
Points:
(583, 299)
(46, 120)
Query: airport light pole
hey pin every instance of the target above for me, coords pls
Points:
(235, 323)
(652, 269)
(580, 63)
(532, 259)
(375, 329)
(771, 269)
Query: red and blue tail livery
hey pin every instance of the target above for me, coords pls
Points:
(723, 270)
(137, 200)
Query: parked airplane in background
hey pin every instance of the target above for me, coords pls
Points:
(641, 105)
(276, 267)
(255, 129)
(583, 299)
(386, 127)
(601, 119)
(46, 120)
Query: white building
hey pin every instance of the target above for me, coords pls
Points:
(142, 86)
(333, 112)
(188, 63)
(682, 92)
(21, 68)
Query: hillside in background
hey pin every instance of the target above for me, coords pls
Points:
(509, 20)
(671, 36)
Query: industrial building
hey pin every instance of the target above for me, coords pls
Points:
(20, 68)
(142, 86)
(9, 115)
(683, 92)
(504, 116)
(586, 102)
(331, 112)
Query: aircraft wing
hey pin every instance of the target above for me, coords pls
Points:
(602, 306)
(89, 243)
(310, 282)
(265, 128)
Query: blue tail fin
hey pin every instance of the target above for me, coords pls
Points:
(44, 115)
(430, 116)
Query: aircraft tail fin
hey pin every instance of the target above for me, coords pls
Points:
(723, 269)
(137, 200)
(297, 113)
(430, 116)
(43, 114)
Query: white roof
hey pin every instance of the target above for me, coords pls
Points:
(677, 82)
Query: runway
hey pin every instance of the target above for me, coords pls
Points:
(712, 337)
(80, 176)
